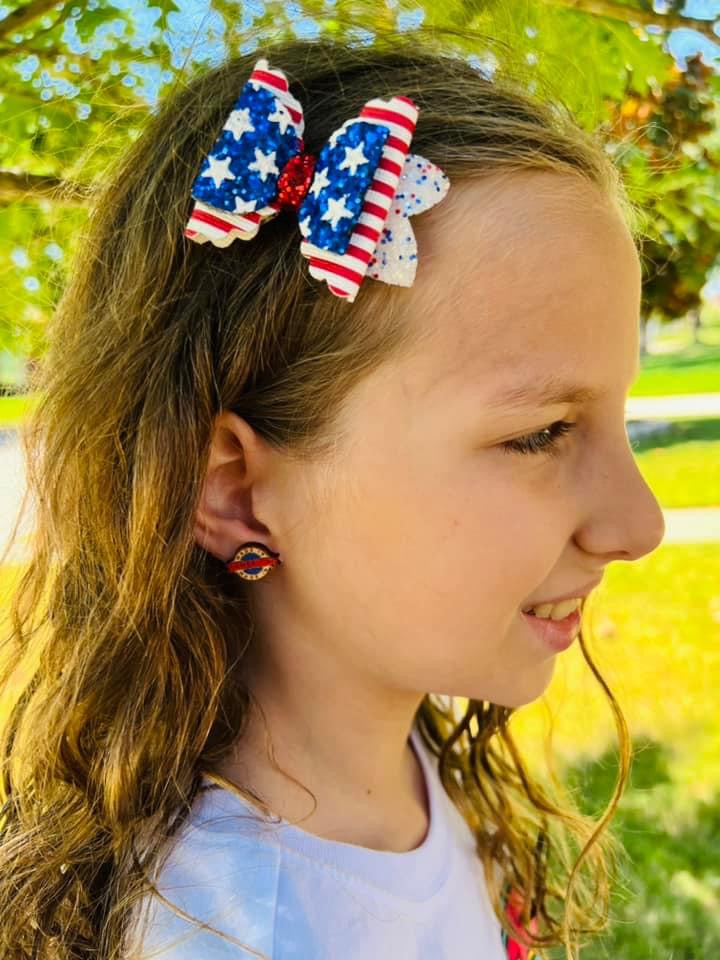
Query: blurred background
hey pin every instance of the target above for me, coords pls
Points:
(77, 80)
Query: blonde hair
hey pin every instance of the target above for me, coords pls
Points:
(137, 685)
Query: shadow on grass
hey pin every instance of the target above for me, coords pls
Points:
(694, 355)
(678, 431)
(666, 903)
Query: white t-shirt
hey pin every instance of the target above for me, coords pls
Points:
(296, 896)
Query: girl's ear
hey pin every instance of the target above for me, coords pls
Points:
(224, 518)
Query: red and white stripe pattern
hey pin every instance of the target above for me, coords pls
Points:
(221, 227)
(344, 273)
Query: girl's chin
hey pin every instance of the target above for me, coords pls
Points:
(521, 685)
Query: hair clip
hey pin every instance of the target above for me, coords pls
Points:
(353, 199)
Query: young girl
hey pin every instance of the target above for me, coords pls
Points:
(333, 399)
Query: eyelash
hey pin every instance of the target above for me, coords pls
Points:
(540, 442)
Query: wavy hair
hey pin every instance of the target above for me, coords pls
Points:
(122, 665)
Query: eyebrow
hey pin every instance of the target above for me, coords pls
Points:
(545, 390)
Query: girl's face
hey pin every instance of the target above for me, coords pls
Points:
(413, 570)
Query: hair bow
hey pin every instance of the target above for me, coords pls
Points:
(353, 199)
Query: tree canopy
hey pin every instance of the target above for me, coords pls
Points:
(79, 79)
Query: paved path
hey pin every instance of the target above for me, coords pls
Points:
(681, 405)
(696, 525)
(12, 483)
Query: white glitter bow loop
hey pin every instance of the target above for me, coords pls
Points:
(353, 200)
(422, 185)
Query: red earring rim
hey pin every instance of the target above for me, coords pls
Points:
(268, 558)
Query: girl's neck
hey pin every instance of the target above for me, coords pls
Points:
(393, 817)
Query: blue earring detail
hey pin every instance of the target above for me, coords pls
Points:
(253, 561)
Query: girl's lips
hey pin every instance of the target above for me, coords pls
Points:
(556, 634)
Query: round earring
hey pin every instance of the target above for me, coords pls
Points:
(253, 561)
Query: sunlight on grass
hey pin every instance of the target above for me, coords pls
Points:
(685, 475)
(13, 409)
(689, 368)
(654, 633)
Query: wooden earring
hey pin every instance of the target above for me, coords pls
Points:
(253, 561)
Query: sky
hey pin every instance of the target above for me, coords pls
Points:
(194, 25)
(681, 43)
(184, 23)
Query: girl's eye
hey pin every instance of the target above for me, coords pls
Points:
(544, 440)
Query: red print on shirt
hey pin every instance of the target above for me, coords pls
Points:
(513, 949)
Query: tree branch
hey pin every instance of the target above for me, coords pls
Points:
(16, 187)
(616, 10)
(17, 47)
(21, 16)
(48, 53)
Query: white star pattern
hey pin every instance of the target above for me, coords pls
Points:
(264, 163)
(320, 181)
(305, 226)
(280, 116)
(336, 209)
(338, 133)
(239, 123)
(219, 170)
(354, 156)
(244, 206)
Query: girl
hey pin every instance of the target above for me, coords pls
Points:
(279, 500)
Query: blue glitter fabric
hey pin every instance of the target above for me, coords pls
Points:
(354, 211)
(345, 169)
(241, 171)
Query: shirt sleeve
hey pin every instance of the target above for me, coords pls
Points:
(229, 884)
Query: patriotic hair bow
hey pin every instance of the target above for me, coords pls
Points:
(353, 199)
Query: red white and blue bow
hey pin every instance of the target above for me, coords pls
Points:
(353, 199)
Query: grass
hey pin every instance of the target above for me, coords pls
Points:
(667, 902)
(682, 465)
(13, 409)
(693, 369)
(654, 633)
(653, 629)
(684, 368)
(677, 365)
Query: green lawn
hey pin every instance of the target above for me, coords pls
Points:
(653, 628)
(654, 632)
(682, 366)
(682, 466)
(12, 410)
(694, 369)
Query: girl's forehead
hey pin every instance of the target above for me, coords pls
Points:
(532, 238)
(525, 271)
(517, 220)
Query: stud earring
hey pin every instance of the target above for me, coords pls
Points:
(253, 561)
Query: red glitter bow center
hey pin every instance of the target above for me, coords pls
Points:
(295, 179)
